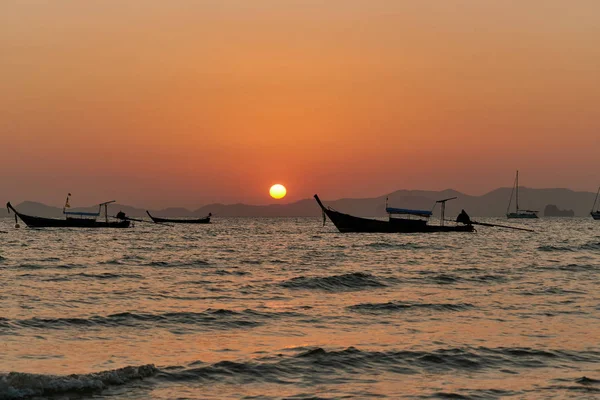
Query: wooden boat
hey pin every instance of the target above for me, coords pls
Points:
(72, 219)
(522, 214)
(596, 214)
(404, 224)
(205, 220)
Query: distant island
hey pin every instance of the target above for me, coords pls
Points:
(553, 211)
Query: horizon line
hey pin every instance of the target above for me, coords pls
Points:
(308, 198)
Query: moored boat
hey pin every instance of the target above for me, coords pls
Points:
(596, 214)
(72, 219)
(521, 214)
(205, 220)
(400, 221)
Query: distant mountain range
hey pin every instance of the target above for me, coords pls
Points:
(492, 204)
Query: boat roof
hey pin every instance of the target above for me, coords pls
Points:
(82, 214)
(421, 213)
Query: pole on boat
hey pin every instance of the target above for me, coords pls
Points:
(497, 226)
(502, 226)
(105, 204)
(443, 203)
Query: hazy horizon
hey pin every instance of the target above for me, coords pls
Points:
(286, 201)
(188, 103)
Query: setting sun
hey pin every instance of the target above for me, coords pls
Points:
(277, 191)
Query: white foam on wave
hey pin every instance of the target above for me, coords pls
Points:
(19, 385)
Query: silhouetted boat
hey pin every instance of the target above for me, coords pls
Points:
(596, 214)
(523, 214)
(405, 224)
(73, 219)
(205, 220)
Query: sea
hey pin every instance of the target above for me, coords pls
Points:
(286, 308)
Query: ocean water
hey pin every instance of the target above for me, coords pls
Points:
(288, 309)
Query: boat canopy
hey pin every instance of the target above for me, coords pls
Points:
(420, 213)
(82, 214)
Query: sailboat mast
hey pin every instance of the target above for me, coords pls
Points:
(517, 185)
(512, 192)
(596, 199)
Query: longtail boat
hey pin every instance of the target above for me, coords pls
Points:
(400, 221)
(205, 220)
(73, 219)
(596, 214)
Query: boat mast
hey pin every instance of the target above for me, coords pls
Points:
(511, 195)
(596, 199)
(517, 186)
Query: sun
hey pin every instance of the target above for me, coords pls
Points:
(277, 191)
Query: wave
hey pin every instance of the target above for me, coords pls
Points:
(251, 262)
(550, 248)
(590, 246)
(586, 246)
(177, 264)
(352, 281)
(30, 266)
(583, 386)
(158, 264)
(108, 275)
(393, 306)
(207, 320)
(103, 275)
(83, 275)
(4, 322)
(319, 364)
(306, 367)
(17, 385)
(450, 279)
(386, 245)
(113, 261)
(554, 290)
(568, 267)
(584, 380)
(225, 272)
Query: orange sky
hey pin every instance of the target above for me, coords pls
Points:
(182, 103)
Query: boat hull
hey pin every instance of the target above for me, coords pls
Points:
(522, 215)
(39, 222)
(179, 221)
(595, 215)
(346, 223)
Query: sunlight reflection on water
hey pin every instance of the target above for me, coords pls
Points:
(460, 313)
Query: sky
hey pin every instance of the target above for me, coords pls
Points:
(184, 103)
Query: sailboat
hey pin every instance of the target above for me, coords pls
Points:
(518, 212)
(596, 214)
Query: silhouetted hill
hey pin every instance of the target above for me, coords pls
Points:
(492, 204)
